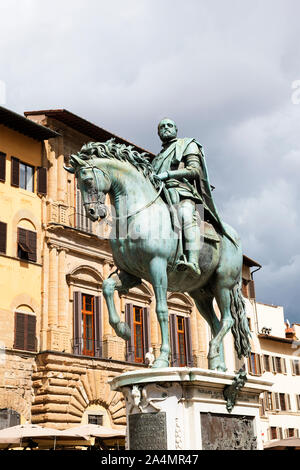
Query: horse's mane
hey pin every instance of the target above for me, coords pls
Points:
(122, 152)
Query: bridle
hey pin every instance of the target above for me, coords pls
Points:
(99, 200)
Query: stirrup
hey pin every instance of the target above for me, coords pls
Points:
(193, 268)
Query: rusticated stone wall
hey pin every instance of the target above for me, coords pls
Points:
(16, 382)
(66, 385)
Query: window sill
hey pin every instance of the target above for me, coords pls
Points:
(20, 259)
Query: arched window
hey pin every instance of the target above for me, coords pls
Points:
(26, 249)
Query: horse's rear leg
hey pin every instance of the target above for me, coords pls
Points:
(222, 295)
(204, 304)
(121, 282)
(159, 281)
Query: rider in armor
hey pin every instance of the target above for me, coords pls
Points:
(181, 165)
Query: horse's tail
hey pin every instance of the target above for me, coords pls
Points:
(240, 328)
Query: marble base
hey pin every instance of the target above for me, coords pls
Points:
(184, 409)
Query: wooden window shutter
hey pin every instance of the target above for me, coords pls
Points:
(251, 289)
(130, 343)
(288, 401)
(188, 342)
(30, 333)
(77, 323)
(25, 332)
(42, 180)
(293, 367)
(277, 401)
(146, 330)
(31, 237)
(2, 166)
(98, 326)
(173, 341)
(19, 342)
(27, 243)
(283, 365)
(3, 235)
(15, 172)
(298, 402)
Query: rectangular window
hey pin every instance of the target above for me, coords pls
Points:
(87, 313)
(26, 177)
(95, 419)
(138, 334)
(27, 245)
(254, 364)
(3, 234)
(273, 432)
(2, 166)
(9, 418)
(278, 365)
(25, 332)
(295, 363)
(181, 341)
(138, 319)
(268, 400)
(267, 363)
(282, 401)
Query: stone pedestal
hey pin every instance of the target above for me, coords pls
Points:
(185, 409)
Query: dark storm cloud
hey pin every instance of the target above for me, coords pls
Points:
(222, 70)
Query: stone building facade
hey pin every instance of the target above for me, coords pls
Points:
(22, 189)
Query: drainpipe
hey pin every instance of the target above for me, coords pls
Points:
(255, 308)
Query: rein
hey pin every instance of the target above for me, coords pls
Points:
(101, 203)
(143, 208)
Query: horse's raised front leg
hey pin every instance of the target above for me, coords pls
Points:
(159, 281)
(223, 301)
(121, 282)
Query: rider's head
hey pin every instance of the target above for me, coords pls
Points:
(167, 130)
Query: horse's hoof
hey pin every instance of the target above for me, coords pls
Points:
(123, 330)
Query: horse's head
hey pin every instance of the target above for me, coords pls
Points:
(93, 183)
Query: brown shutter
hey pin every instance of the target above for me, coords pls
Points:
(188, 342)
(98, 326)
(77, 323)
(293, 367)
(251, 290)
(146, 330)
(130, 343)
(3, 233)
(19, 331)
(173, 341)
(30, 333)
(15, 172)
(42, 180)
(2, 166)
(31, 242)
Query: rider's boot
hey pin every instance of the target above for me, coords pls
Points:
(192, 235)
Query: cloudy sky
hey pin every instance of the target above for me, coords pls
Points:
(225, 70)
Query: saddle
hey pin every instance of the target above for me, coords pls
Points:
(210, 233)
